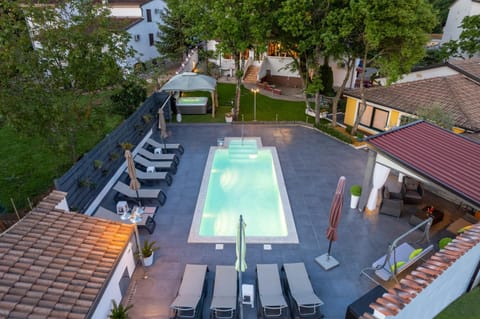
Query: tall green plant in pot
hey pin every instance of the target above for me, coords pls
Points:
(355, 191)
(148, 249)
(118, 311)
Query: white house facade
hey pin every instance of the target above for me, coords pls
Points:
(144, 31)
(459, 10)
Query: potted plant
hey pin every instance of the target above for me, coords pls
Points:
(355, 191)
(228, 117)
(148, 249)
(118, 311)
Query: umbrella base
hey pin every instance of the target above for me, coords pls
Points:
(327, 262)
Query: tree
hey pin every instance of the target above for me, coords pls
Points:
(342, 40)
(299, 28)
(469, 40)
(50, 90)
(393, 36)
(173, 40)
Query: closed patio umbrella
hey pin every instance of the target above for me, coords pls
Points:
(240, 263)
(162, 125)
(134, 183)
(325, 260)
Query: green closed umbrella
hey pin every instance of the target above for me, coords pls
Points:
(240, 263)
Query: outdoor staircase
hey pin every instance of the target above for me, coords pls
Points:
(238, 149)
(251, 74)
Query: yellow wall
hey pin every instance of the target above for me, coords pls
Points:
(350, 111)
(394, 115)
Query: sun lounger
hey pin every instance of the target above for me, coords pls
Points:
(224, 300)
(189, 300)
(153, 176)
(303, 300)
(272, 302)
(157, 165)
(159, 157)
(125, 192)
(147, 221)
(169, 147)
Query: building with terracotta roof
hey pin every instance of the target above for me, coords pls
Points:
(60, 264)
(453, 86)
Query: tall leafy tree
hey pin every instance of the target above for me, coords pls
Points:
(236, 25)
(393, 35)
(52, 91)
(174, 41)
(300, 24)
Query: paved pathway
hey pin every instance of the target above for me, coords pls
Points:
(312, 163)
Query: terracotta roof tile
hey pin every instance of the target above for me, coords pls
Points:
(456, 94)
(402, 293)
(54, 263)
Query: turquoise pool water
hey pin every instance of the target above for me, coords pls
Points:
(243, 179)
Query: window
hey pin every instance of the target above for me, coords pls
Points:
(375, 118)
(151, 39)
(149, 15)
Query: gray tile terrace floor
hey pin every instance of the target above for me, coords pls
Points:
(312, 163)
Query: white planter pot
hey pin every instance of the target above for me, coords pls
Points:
(228, 119)
(354, 201)
(148, 261)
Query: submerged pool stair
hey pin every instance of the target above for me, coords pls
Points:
(242, 150)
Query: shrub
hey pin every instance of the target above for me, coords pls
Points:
(356, 190)
(126, 101)
(327, 128)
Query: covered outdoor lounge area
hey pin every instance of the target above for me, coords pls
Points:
(420, 160)
(191, 82)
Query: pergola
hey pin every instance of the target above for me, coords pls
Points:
(191, 81)
(428, 153)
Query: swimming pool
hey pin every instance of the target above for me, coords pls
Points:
(245, 178)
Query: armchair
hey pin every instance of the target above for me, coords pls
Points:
(413, 191)
(391, 204)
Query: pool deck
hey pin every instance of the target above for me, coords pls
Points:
(312, 164)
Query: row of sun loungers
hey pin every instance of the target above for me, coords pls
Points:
(157, 167)
(295, 282)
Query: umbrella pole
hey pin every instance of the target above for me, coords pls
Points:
(240, 295)
(138, 199)
(329, 248)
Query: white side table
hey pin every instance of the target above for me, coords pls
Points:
(151, 169)
(248, 294)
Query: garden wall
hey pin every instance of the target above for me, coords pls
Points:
(84, 181)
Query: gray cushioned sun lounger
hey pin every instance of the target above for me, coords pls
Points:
(270, 293)
(124, 191)
(155, 176)
(299, 289)
(224, 300)
(159, 157)
(189, 300)
(166, 146)
(160, 165)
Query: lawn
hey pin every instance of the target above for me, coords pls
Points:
(268, 109)
(465, 307)
(29, 166)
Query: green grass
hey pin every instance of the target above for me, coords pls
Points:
(28, 165)
(465, 307)
(268, 109)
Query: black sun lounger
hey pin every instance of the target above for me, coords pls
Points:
(303, 300)
(224, 300)
(159, 157)
(156, 165)
(191, 294)
(169, 147)
(153, 176)
(125, 192)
